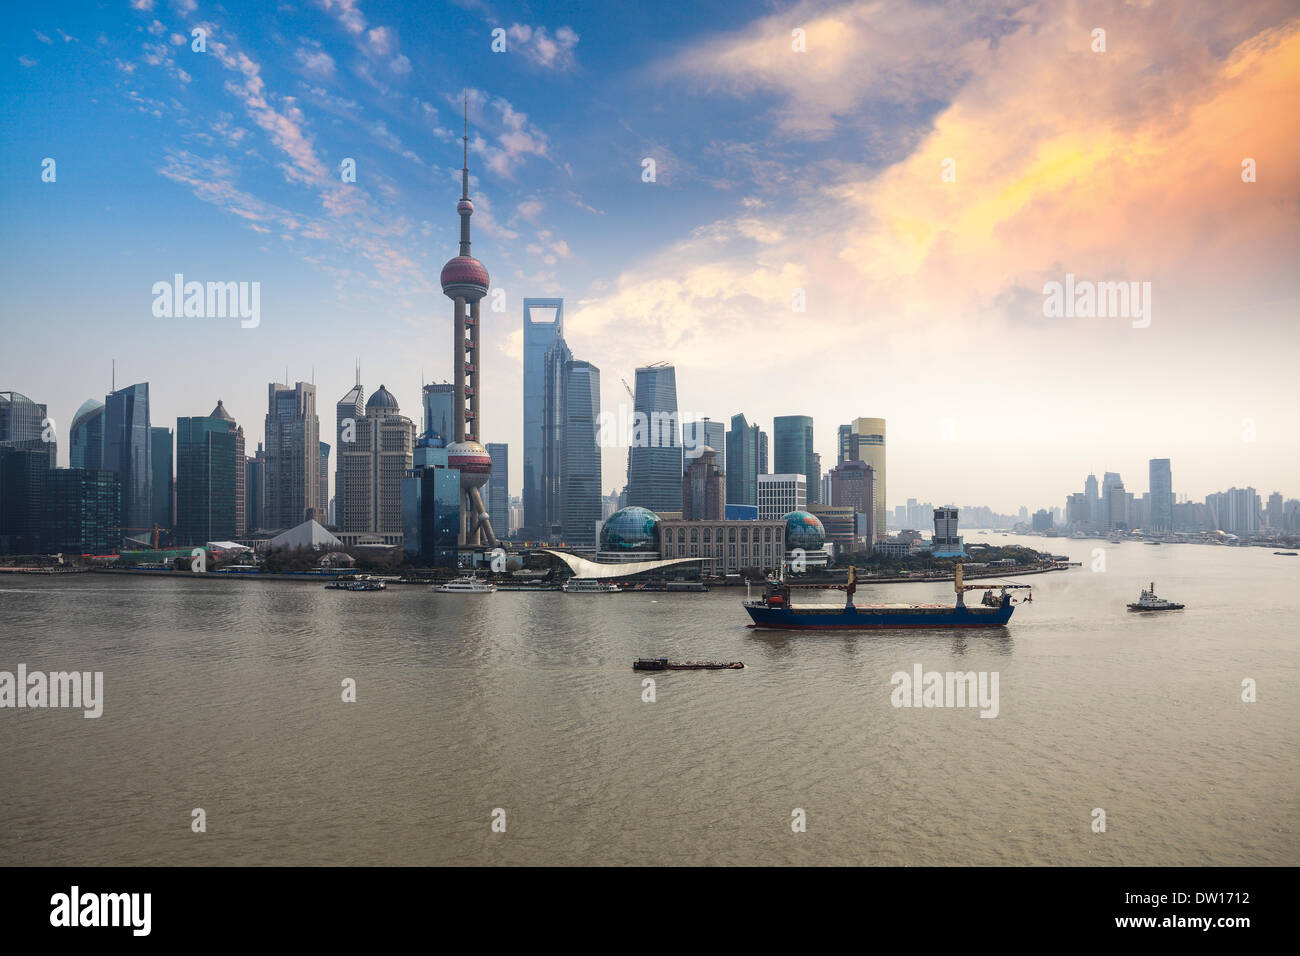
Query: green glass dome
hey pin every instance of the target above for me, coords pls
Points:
(803, 530)
(631, 529)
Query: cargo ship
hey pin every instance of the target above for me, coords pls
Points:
(776, 610)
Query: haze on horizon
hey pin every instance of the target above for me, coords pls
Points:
(776, 171)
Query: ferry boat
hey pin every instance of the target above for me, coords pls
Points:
(1149, 602)
(775, 609)
(465, 585)
(589, 586)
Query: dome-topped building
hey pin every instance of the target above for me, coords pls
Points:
(381, 399)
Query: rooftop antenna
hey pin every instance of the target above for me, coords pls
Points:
(114, 388)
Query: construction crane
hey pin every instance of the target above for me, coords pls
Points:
(154, 529)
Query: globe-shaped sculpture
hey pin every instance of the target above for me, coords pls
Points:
(803, 530)
(464, 277)
(631, 529)
(473, 461)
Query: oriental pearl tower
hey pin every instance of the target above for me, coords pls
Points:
(465, 282)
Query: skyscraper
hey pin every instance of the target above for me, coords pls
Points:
(368, 487)
(255, 491)
(465, 281)
(1161, 517)
(580, 481)
(554, 396)
(22, 425)
(439, 414)
(86, 436)
(742, 462)
(128, 450)
(543, 327)
(163, 472)
(1114, 501)
(292, 457)
(82, 508)
(326, 514)
(498, 488)
(865, 441)
(779, 494)
(704, 488)
(794, 453)
(1096, 514)
(655, 458)
(207, 464)
(698, 435)
(347, 411)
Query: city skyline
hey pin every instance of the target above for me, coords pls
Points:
(228, 172)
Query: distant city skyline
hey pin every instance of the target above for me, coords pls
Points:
(782, 179)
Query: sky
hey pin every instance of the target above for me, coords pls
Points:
(856, 210)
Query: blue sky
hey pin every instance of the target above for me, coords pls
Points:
(775, 171)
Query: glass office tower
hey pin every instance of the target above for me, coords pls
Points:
(580, 483)
(128, 450)
(655, 459)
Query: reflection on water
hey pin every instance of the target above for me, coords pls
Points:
(226, 695)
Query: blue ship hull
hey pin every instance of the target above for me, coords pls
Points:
(852, 618)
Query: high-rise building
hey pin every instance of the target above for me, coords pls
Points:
(554, 395)
(946, 543)
(815, 480)
(498, 488)
(1096, 514)
(704, 488)
(853, 484)
(465, 281)
(698, 435)
(864, 440)
(779, 494)
(323, 476)
(543, 327)
(82, 511)
(292, 457)
(1235, 511)
(824, 495)
(431, 520)
(206, 466)
(241, 478)
(1042, 520)
(86, 436)
(1114, 500)
(128, 450)
(1161, 517)
(24, 473)
(742, 462)
(439, 414)
(1274, 513)
(368, 488)
(793, 452)
(255, 491)
(347, 412)
(163, 477)
(23, 425)
(655, 458)
(580, 475)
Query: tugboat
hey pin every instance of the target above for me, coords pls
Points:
(775, 609)
(1149, 602)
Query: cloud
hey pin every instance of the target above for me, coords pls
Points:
(26, 60)
(551, 51)
(514, 139)
(1121, 166)
(42, 37)
(316, 61)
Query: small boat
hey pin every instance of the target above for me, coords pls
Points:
(664, 664)
(1149, 602)
(356, 584)
(465, 585)
(1286, 554)
(589, 586)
